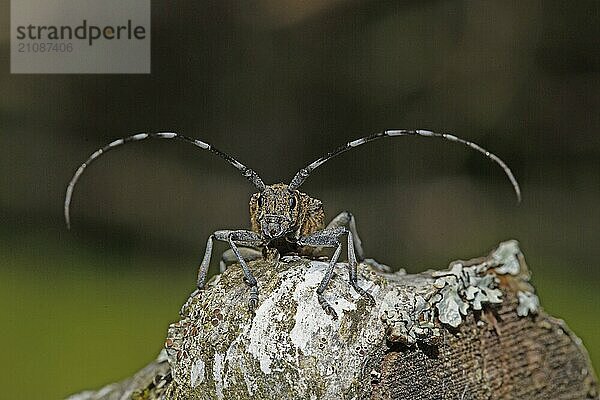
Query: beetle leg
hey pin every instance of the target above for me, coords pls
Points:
(353, 264)
(229, 257)
(233, 237)
(346, 219)
(330, 238)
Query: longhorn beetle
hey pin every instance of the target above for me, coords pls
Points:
(284, 219)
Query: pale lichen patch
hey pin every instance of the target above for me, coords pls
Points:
(218, 365)
(507, 258)
(414, 313)
(449, 303)
(310, 318)
(528, 303)
(407, 311)
(266, 343)
(462, 288)
(197, 376)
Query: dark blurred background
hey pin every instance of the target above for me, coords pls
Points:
(277, 84)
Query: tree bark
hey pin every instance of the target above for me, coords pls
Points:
(473, 331)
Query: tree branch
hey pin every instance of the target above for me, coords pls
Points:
(472, 331)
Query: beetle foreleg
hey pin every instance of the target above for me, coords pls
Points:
(248, 277)
(330, 238)
(233, 237)
(229, 257)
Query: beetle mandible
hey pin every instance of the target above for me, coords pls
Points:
(284, 219)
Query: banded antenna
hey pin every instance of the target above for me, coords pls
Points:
(301, 175)
(247, 172)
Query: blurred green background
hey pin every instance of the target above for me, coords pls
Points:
(277, 84)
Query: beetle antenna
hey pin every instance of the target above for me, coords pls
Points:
(301, 175)
(247, 172)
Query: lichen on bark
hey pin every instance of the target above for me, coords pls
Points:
(472, 331)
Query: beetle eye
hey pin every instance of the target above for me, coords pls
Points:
(260, 201)
(292, 202)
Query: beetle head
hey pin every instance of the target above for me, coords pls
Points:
(275, 211)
